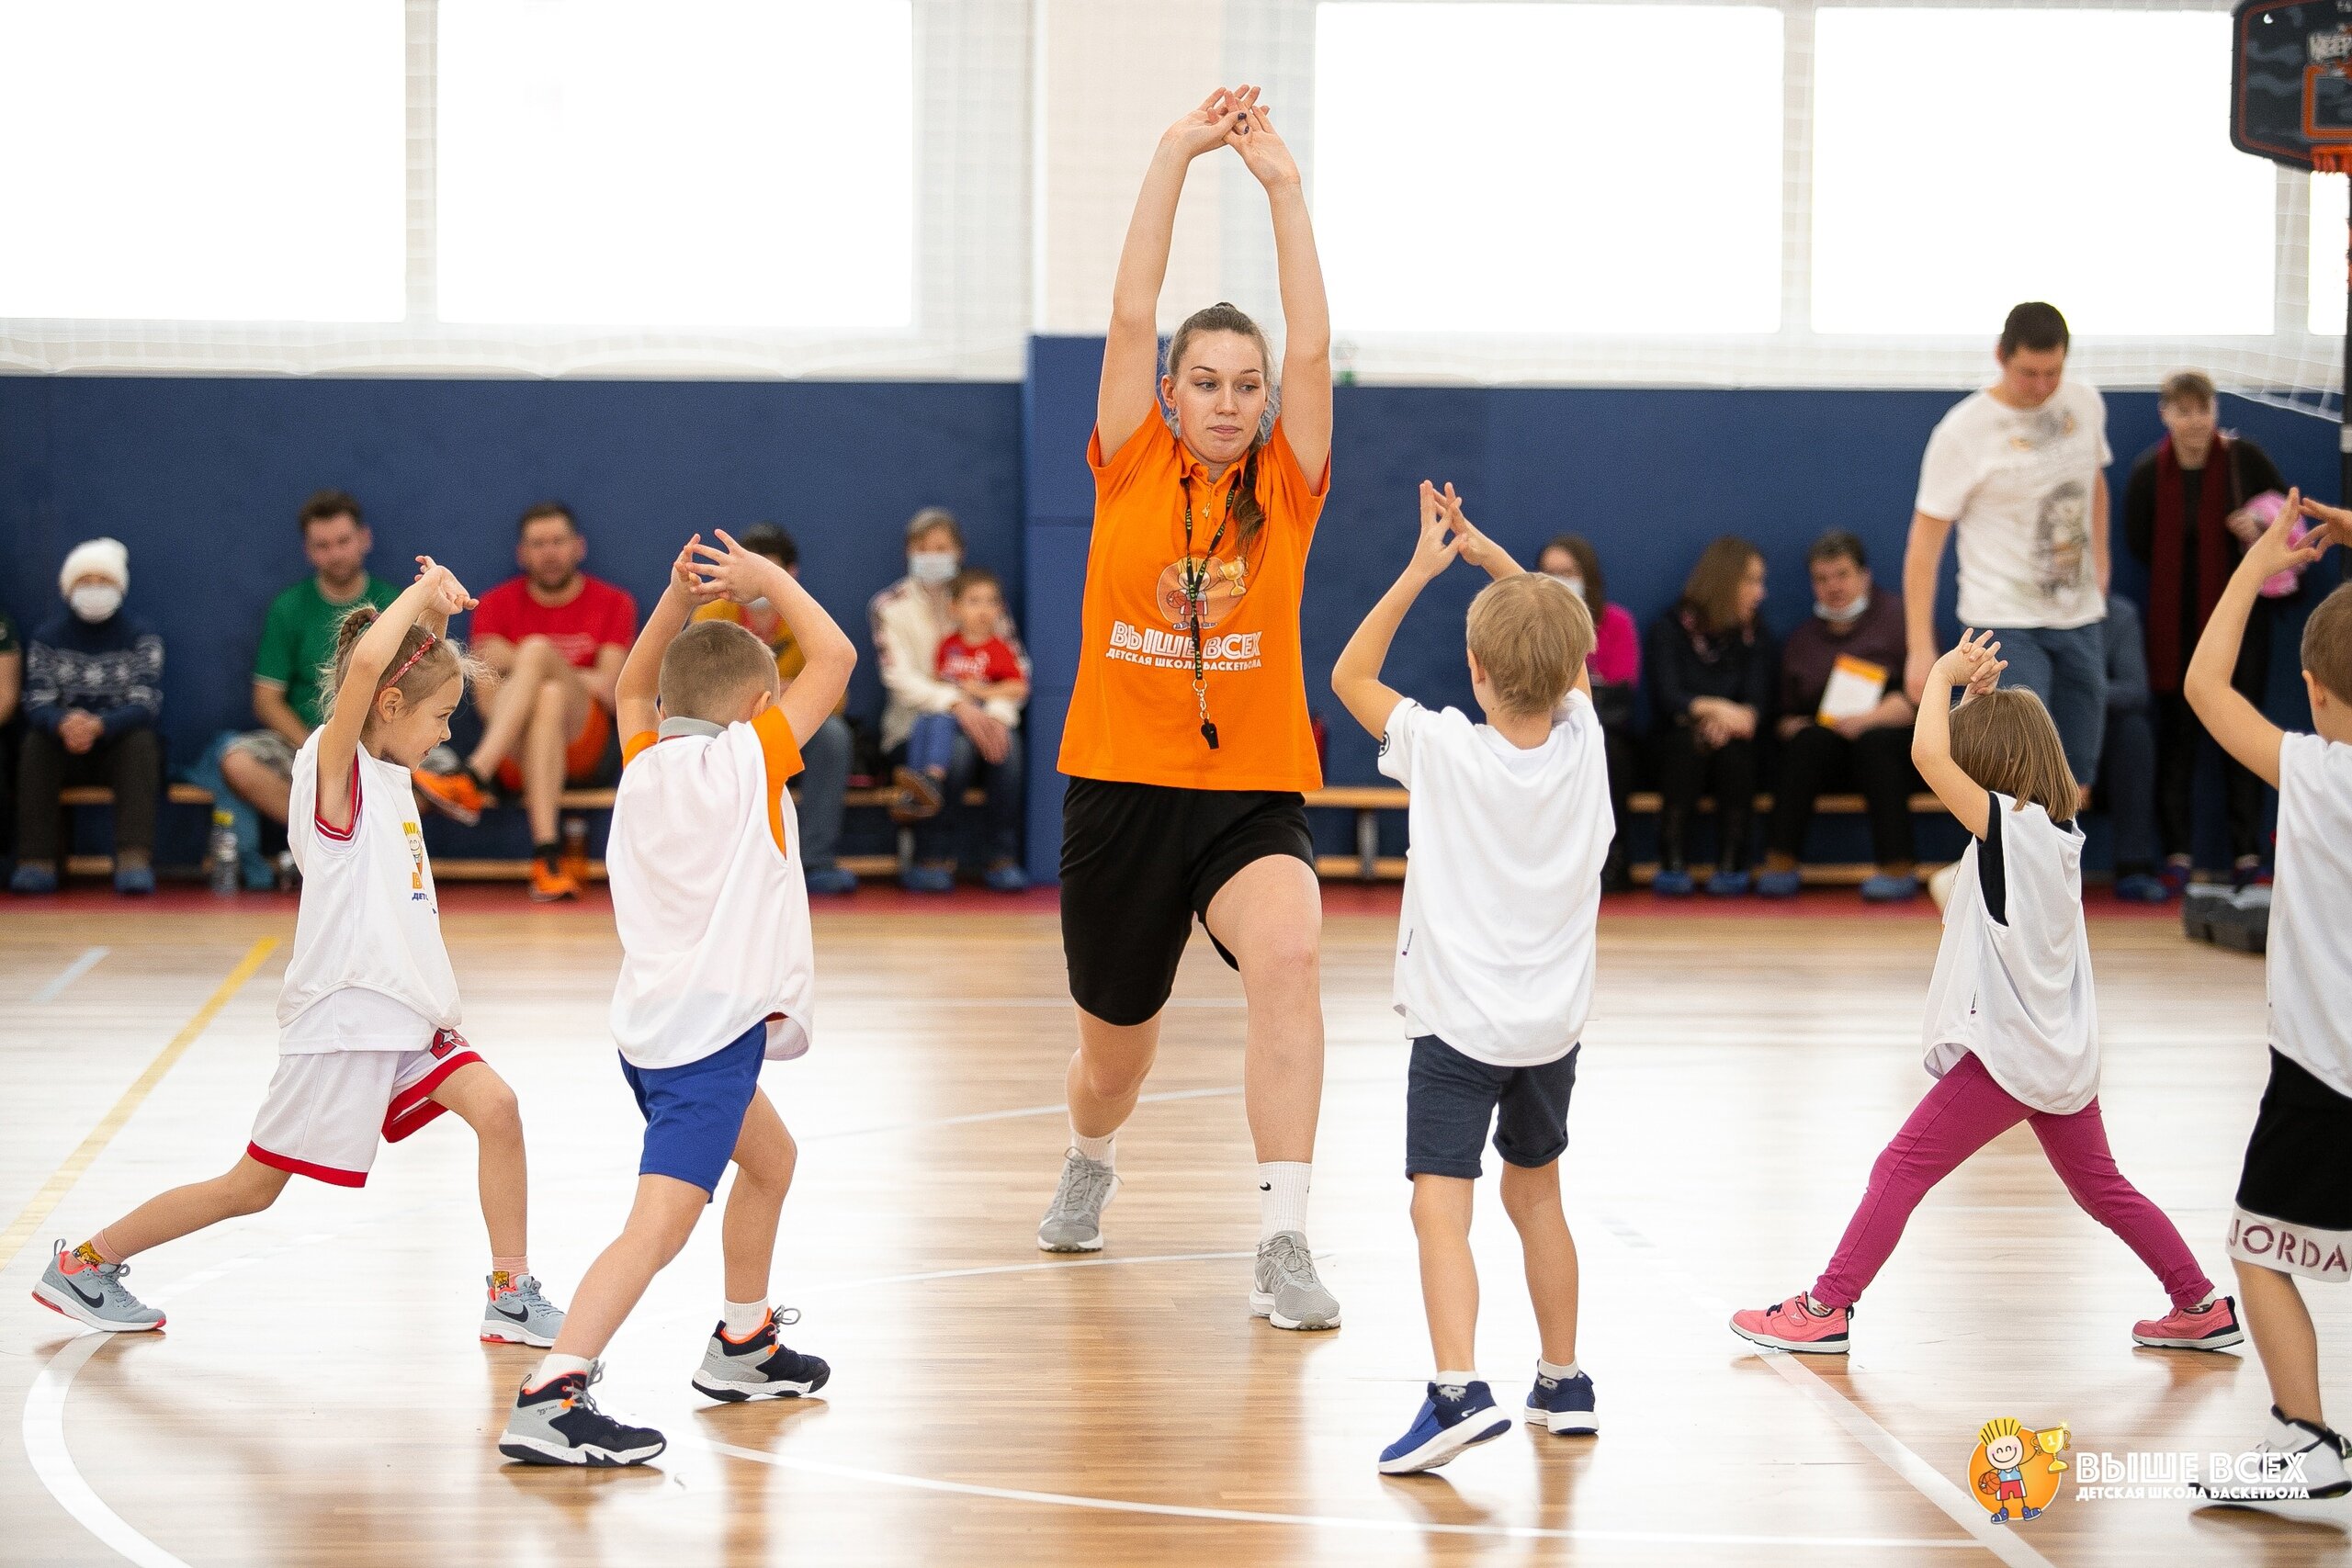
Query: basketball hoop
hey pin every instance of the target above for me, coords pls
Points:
(2335, 159)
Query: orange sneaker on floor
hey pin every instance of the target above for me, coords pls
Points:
(551, 887)
(456, 794)
(574, 865)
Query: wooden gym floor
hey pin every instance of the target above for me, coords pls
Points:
(320, 1397)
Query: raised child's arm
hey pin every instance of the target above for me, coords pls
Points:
(636, 696)
(1976, 660)
(744, 575)
(2235, 724)
(1355, 679)
(437, 593)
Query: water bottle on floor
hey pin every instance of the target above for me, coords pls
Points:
(220, 853)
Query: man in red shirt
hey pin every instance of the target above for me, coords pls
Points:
(555, 640)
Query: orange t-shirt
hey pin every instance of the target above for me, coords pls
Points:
(1133, 719)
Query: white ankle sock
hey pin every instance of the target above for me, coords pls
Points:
(743, 1318)
(1455, 1380)
(2211, 1297)
(1546, 1369)
(1101, 1150)
(1282, 1196)
(552, 1367)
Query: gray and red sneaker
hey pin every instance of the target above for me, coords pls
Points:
(73, 1286)
(761, 1367)
(1798, 1323)
(2214, 1327)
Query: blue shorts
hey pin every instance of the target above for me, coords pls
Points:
(1450, 1099)
(694, 1113)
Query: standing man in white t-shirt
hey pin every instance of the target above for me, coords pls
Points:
(2018, 471)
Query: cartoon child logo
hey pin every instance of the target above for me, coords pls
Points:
(1221, 583)
(2017, 1467)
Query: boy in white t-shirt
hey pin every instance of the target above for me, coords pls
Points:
(717, 977)
(2294, 1199)
(1510, 823)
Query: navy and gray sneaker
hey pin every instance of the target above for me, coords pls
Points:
(1452, 1419)
(558, 1423)
(1562, 1404)
(93, 1293)
(761, 1367)
(517, 1314)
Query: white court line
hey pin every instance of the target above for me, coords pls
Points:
(74, 971)
(1331, 1521)
(1857, 1423)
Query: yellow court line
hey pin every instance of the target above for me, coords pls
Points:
(61, 1180)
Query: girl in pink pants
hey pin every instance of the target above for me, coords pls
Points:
(2012, 1030)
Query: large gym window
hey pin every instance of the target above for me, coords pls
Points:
(702, 162)
(1964, 160)
(219, 163)
(1524, 169)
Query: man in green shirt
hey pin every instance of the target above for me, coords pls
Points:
(297, 641)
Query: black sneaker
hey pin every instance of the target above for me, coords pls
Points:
(761, 1367)
(558, 1423)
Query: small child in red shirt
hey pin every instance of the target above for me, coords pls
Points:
(976, 660)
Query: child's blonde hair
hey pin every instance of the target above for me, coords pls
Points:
(2327, 644)
(710, 668)
(2004, 740)
(1531, 634)
(425, 663)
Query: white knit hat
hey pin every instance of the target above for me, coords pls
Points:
(95, 558)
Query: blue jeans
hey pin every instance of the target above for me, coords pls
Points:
(2067, 670)
(937, 840)
(931, 744)
(824, 782)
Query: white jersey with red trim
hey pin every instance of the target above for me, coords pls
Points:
(704, 861)
(368, 972)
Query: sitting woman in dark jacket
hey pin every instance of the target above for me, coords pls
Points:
(1711, 670)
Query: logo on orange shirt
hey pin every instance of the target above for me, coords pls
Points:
(1226, 581)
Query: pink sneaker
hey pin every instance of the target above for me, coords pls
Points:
(1794, 1326)
(2209, 1327)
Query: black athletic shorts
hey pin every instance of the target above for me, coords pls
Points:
(1139, 863)
(2294, 1207)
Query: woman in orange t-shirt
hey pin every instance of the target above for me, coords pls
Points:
(1188, 743)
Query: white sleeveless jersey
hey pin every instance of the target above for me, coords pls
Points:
(368, 971)
(2013, 976)
(704, 861)
(2309, 968)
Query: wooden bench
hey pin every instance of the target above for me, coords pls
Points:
(1367, 801)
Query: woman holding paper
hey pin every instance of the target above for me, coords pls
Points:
(1846, 723)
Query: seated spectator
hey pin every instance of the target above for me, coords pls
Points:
(555, 639)
(825, 754)
(911, 619)
(12, 691)
(94, 686)
(976, 659)
(2126, 769)
(297, 641)
(2191, 535)
(1712, 672)
(1845, 723)
(1616, 668)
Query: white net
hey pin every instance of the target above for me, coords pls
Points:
(1719, 193)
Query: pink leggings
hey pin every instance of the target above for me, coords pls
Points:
(1965, 1111)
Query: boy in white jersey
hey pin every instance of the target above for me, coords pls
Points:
(2294, 1199)
(1509, 823)
(367, 1020)
(718, 975)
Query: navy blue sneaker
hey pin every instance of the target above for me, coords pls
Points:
(831, 881)
(1779, 884)
(1452, 1419)
(1880, 888)
(1004, 877)
(927, 879)
(761, 1367)
(1727, 884)
(2140, 887)
(1672, 884)
(558, 1423)
(33, 880)
(1562, 1404)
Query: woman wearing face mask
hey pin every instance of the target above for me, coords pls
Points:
(1616, 670)
(94, 682)
(1857, 736)
(910, 619)
(1188, 743)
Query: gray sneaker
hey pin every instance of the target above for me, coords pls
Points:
(558, 1423)
(1073, 1222)
(761, 1367)
(518, 1315)
(1287, 1292)
(93, 1293)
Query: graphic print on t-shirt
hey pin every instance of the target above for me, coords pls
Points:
(1225, 582)
(2061, 534)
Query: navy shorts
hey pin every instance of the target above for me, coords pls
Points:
(1451, 1101)
(694, 1113)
